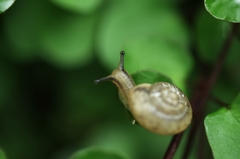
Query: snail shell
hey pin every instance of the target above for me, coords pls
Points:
(160, 107)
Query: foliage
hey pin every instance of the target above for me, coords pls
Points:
(52, 51)
(5, 4)
(224, 10)
(225, 125)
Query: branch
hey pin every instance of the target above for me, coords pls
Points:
(173, 146)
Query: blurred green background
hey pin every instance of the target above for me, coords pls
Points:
(51, 51)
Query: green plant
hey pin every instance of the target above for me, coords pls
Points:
(51, 51)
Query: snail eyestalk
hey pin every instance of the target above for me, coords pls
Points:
(121, 62)
(108, 78)
(112, 76)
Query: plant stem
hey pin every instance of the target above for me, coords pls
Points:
(200, 97)
(173, 146)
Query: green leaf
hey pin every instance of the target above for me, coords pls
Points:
(5, 4)
(222, 128)
(79, 6)
(151, 34)
(149, 76)
(99, 153)
(2, 154)
(224, 9)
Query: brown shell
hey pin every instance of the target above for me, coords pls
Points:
(161, 108)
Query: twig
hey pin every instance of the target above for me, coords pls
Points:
(173, 146)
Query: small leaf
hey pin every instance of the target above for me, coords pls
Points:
(2, 154)
(224, 9)
(149, 76)
(222, 128)
(99, 153)
(5, 4)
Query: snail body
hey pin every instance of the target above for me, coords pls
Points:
(160, 107)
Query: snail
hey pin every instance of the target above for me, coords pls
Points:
(161, 107)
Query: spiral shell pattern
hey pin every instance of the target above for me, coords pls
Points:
(161, 108)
